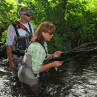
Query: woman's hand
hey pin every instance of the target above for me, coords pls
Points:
(56, 64)
(57, 54)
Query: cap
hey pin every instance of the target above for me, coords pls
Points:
(26, 10)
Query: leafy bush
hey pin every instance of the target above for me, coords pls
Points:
(75, 20)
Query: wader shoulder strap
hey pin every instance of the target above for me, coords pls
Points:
(30, 27)
(16, 30)
(23, 27)
(44, 49)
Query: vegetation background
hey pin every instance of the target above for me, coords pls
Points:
(75, 20)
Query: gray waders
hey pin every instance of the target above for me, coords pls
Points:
(26, 75)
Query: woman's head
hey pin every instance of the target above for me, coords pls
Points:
(44, 32)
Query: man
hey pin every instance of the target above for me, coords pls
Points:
(18, 37)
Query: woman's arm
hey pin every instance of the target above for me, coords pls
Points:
(55, 64)
(50, 56)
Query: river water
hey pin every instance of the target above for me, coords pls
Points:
(75, 78)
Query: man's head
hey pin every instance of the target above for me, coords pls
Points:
(26, 11)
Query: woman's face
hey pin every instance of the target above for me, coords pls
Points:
(47, 36)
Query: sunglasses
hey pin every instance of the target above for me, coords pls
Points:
(50, 33)
(27, 15)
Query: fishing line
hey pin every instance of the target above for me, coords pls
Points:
(74, 57)
(80, 54)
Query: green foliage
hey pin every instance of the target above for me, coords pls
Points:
(80, 19)
(7, 11)
(75, 20)
(59, 43)
(4, 36)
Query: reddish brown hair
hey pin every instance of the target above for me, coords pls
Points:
(43, 27)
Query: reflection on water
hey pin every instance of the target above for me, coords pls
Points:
(75, 78)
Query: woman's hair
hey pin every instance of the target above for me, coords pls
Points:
(43, 27)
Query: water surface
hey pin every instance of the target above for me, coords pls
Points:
(75, 78)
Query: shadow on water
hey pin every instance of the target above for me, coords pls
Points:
(75, 78)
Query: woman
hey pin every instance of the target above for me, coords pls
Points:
(34, 65)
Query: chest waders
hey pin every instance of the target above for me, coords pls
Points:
(25, 72)
(26, 61)
(21, 42)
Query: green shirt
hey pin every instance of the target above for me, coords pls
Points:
(38, 54)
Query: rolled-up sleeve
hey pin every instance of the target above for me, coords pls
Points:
(10, 35)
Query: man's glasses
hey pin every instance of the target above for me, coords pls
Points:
(27, 15)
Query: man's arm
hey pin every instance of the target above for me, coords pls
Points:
(9, 53)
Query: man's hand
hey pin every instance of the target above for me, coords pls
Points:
(12, 65)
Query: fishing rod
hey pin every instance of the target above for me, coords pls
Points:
(64, 54)
(62, 59)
